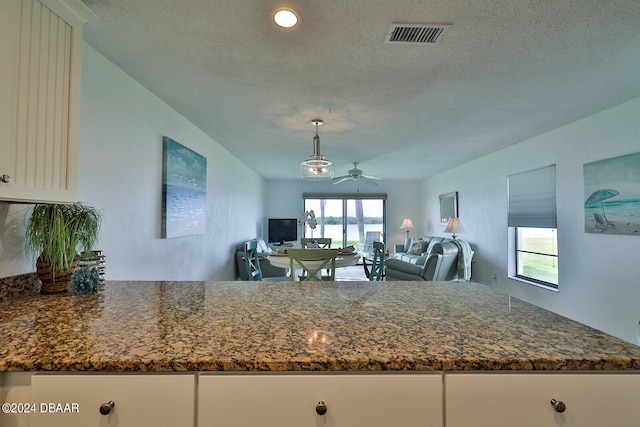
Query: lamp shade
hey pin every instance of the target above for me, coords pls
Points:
(454, 226)
(406, 224)
(316, 168)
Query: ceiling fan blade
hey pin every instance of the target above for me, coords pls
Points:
(341, 179)
(371, 177)
(368, 180)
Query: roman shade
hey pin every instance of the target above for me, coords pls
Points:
(532, 198)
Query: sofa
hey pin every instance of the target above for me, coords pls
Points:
(430, 258)
(268, 270)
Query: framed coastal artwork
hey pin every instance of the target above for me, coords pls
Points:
(448, 206)
(612, 195)
(184, 190)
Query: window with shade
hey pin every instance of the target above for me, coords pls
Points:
(532, 219)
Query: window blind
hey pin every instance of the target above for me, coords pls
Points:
(532, 198)
(354, 196)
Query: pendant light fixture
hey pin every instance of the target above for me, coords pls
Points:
(316, 167)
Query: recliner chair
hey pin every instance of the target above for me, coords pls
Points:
(441, 264)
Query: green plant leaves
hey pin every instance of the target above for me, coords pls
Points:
(57, 232)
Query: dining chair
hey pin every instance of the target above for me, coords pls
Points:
(312, 262)
(323, 242)
(252, 261)
(367, 247)
(377, 264)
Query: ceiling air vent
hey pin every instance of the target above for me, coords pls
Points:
(414, 33)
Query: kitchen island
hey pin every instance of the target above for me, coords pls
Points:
(261, 326)
(426, 329)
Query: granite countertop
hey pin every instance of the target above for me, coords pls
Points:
(284, 326)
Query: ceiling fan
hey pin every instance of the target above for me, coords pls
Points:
(357, 175)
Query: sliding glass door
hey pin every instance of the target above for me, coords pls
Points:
(349, 220)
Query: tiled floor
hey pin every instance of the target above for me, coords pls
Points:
(355, 272)
(352, 273)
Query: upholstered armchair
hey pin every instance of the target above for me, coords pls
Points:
(441, 264)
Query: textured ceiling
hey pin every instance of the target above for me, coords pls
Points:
(504, 71)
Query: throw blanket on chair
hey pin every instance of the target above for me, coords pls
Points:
(464, 259)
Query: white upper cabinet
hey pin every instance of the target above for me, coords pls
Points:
(40, 77)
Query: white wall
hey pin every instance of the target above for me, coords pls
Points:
(598, 274)
(122, 126)
(121, 130)
(284, 200)
(13, 260)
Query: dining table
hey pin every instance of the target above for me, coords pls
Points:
(281, 259)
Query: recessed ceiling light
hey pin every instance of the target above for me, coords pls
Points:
(285, 18)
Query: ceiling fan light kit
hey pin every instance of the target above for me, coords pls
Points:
(316, 167)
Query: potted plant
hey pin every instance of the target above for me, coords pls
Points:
(55, 234)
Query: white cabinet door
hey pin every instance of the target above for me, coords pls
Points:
(139, 400)
(292, 400)
(40, 77)
(523, 400)
(9, 46)
(15, 392)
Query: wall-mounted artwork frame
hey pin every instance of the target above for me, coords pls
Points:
(612, 195)
(448, 206)
(184, 190)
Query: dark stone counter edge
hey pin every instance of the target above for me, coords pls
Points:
(618, 364)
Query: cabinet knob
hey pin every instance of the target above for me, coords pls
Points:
(321, 408)
(558, 405)
(105, 408)
(5, 178)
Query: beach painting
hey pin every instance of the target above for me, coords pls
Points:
(184, 190)
(612, 195)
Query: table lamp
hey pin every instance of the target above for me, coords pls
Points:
(406, 224)
(454, 226)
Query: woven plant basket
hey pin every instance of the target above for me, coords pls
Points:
(53, 283)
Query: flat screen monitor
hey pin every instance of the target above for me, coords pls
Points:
(283, 230)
